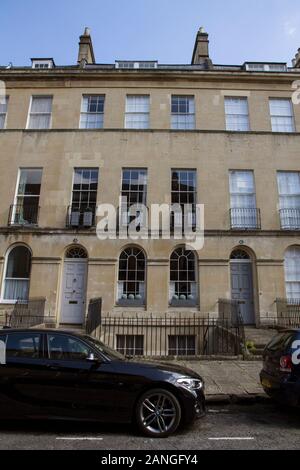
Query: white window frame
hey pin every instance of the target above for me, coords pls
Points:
(89, 113)
(22, 195)
(10, 249)
(191, 114)
(290, 116)
(128, 113)
(6, 98)
(238, 115)
(42, 64)
(288, 272)
(30, 113)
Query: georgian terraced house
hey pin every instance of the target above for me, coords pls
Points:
(73, 137)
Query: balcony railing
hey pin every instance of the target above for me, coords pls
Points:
(23, 214)
(290, 219)
(80, 217)
(245, 219)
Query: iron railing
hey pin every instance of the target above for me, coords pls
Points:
(169, 336)
(27, 314)
(78, 217)
(245, 219)
(288, 313)
(93, 320)
(290, 219)
(23, 214)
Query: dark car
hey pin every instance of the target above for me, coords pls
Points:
(280, 376)
(57, 374)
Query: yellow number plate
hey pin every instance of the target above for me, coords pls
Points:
(266, 383)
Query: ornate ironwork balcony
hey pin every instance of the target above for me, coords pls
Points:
(245, 219)
(290, 219)
(23, 214)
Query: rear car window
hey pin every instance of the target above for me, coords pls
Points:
(281, 341)
(23, 345)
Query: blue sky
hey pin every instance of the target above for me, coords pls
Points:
(165, 30)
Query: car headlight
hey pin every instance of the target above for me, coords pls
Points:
(190, 384)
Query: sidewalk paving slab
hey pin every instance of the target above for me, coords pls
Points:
(227, 381)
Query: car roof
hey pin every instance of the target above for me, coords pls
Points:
(41, 330)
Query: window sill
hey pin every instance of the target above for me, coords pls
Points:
(130, 303)
(183, 303)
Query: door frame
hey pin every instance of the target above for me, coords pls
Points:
(251, 260)
(75, 261)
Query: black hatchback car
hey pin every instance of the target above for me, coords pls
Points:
(280, 376)
(57, 374)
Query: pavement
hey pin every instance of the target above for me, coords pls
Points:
(229, 381)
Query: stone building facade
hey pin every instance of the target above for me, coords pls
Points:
(225, 136)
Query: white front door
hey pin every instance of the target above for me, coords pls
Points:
(74, 292)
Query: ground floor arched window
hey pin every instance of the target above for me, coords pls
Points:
(183, 277)
(292, 273)
(132, 276)
(17, 274)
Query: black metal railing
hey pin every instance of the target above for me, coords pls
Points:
(25, 314)
(93, 320)
(169, 336)
(23, 214)
(288, 313)
(290, 219)
(79, 217)
(245, 219)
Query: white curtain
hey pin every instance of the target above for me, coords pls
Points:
(40, 113)
(237, 114)
(282, 116)
(137, 112)
(242, 189)
(292, 273)
(289, 189)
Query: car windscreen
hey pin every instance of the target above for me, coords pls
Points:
(281, 341)
(107, 351)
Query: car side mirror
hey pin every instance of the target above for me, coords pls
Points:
(92, 358)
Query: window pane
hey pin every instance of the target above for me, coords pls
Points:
(282, 115)
(19, 263)
(23, 345)
(237, 114)
(61, 347)
(39, 121)
(41, 104)
(292, 273)
(183, 112)
(30, 182)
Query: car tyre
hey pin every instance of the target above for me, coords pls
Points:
(158, 413)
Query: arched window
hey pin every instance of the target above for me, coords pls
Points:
(183, 277)
(239, 254)
(292, 273)
(132, 268)
(76, 252)
(17, 274)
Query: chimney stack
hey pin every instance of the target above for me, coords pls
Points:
(86, 52)
(201, 50)
(296, 61)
